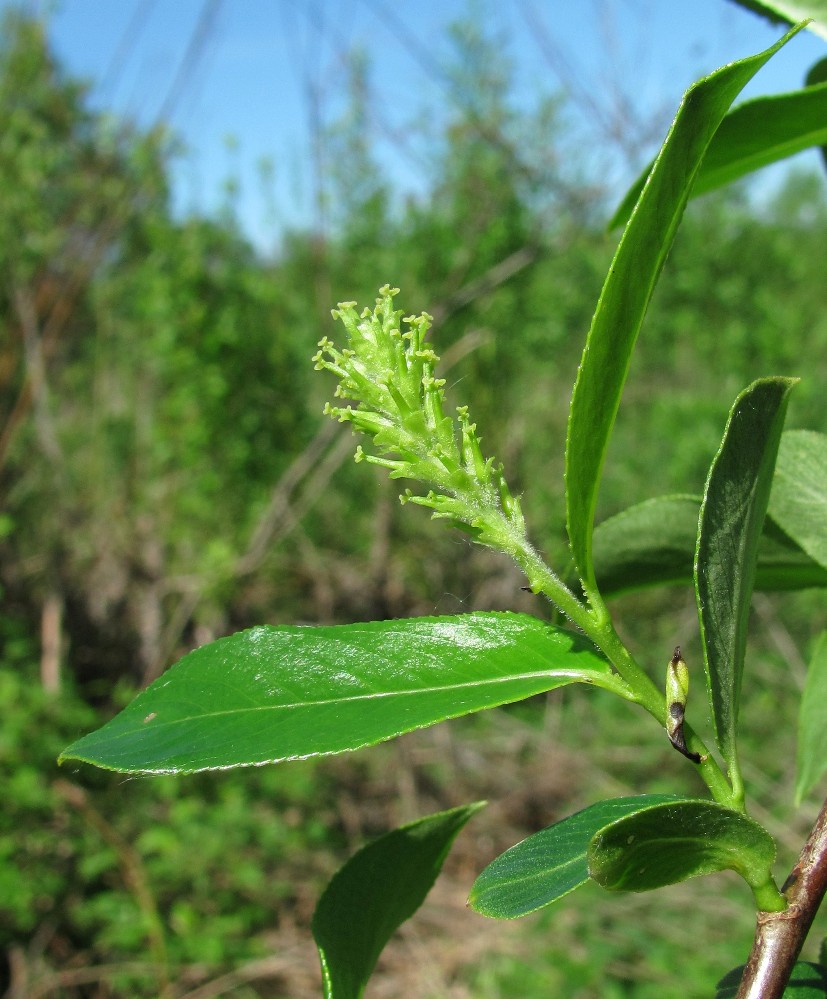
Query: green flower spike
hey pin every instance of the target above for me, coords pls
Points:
(400, 405)
(390, 373)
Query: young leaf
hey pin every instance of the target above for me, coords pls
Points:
(732, 517)
(551, 863)
(791, 11)
(374, 893)
(807, 981)
(667, 843)
(628, 289)
(282, 693)
(812, 723)
(798, 501)
(753, 135)
(653, 544)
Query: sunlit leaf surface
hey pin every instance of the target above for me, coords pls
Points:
(280, 693)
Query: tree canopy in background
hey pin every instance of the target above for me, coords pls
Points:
(156, 405)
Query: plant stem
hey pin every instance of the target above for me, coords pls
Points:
(596, 622)
(779, 936)
(645, 693)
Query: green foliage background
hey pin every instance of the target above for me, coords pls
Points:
(164, 479)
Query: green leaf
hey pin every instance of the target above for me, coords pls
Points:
(807, 981)
(374, 893)
(653, 544)
(551, 863)
(817, 73)
(753, 135)
(732, 517)
(791, 12)
(798, 501)
(628, 289)
(812, 723)
(282, 693)
(667, 843)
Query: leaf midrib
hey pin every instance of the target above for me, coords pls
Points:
(577, 674)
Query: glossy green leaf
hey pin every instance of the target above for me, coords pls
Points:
(812, 723)
(628, 289)
(807, 981)
(816, 74)
(551, 863)
(791, 12)
(653, 544)
(798, 501)
(732, 518)
(374, 893)
(753, 135)
(671, 842)
(281, 693)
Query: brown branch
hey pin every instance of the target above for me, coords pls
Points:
(779, 936)
(265, 967)
(26, 315)
(56, 982)
(496, 275)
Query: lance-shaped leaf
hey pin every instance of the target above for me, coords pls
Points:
(732, 517)
(667, 843)
(791, 12)
(628, 289)
(374, 893)
(812, 723)
(798, 501)
(753, 135)
(551, 863)
(281, 693)
(653, 544)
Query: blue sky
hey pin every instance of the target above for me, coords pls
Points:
(244, 69)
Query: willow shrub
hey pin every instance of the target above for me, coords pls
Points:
(272, 694)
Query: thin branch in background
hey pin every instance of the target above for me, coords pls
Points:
(134, 876)
(51, 619)
(618, 123)
(126, 46)
(421, 55)
(495, 276)
(36, 373)
(278, 507)
(55, 982)
(266, 967)
(781, 638)
(194, 51)
(80, 266)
